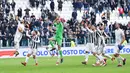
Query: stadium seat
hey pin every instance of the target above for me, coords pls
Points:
(67, 11)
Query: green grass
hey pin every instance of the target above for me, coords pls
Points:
(70, 65)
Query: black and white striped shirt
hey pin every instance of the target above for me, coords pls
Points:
(34, 42)
(91, 36)
(100, 37)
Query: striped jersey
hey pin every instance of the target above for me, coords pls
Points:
(34, 42)
(100, 37)
(91, 36)
(96, 37)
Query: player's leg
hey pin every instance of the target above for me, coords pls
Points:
(100, 57)
(100, 61)
(59, 51)
(103, 51)
(34, 56)
(26, 60)
(51, 42)
(118, 57)
(27, 57)
(16, 46)
(50, 50)
(93, 50)
(86, 54)
(60, 56)
(96, 51)
(97, 63)
(51, 45)
(86, 58)
(106, 55)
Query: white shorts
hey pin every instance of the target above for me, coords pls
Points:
(90, 47)
(32, 51)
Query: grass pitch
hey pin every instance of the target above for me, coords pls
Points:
(70, 65)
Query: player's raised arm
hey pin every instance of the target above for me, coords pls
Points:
(105, 34)
(21, 28)
(50, 28)
(55, 21)
(27, 34)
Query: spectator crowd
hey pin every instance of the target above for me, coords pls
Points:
(73, 28)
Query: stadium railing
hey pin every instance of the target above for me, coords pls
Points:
(66, 42)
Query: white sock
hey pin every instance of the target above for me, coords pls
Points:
(97, 60)
(26, 59)
(58, 60)
(86, 57)
(35, 60)
(119, 60)
(58, 54)
(108, 56)
(101, 57)
(98, 56)
(58, 57)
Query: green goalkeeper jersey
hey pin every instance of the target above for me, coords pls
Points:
(59, 30)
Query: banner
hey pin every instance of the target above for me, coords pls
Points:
(67, 51)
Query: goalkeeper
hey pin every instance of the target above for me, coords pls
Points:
(58, 38)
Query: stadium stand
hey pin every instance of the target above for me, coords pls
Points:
(74, 12)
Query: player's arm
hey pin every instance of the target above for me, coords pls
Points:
(123, 37)
(20, 29)
(38, 33)
(89, 30)
(106, 36)
(27, 34)
(98, 29)
(98, 32)
(55, 21)
(50, 29)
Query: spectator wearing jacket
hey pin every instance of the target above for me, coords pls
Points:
(74, 14)
(60, 5)
(52, 5)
